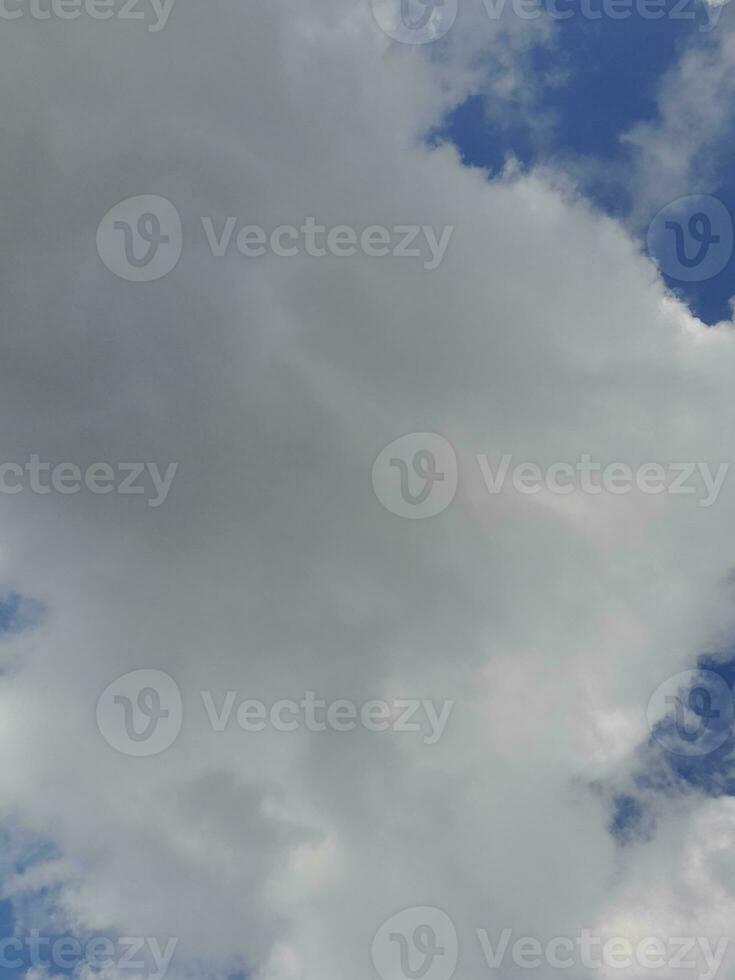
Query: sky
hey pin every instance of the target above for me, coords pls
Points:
(366, 576)
(598, 83)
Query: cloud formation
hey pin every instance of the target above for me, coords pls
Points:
(272, 569)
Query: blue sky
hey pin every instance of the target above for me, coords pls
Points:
(597, 81)
(663, 775)
(17, 613)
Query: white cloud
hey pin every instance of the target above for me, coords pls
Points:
(272, 569)
(679, 153)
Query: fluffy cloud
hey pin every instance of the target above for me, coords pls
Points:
(272, 569)
(678, 152)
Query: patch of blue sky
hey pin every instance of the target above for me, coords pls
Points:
(662, 773)
(19, 612)
(595, 82)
